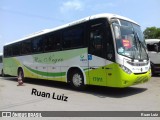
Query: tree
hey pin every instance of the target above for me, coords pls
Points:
(152, 33)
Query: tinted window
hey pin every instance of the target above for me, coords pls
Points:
(153, 47)
(100, 39)
(26, 47)
(38, 44)
(73, 37)
(52, 42)
(16, 49)
(150, 47)
(96, 39)
(0, 59)
(7, 51)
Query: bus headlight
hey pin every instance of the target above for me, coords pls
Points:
(125, 69)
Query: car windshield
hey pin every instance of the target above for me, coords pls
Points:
(129, 40)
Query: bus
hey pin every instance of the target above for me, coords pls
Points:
(1, 64)
(103, 50)
(153, 46)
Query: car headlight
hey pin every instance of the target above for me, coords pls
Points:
(125, 69)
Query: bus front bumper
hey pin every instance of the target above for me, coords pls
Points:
(134, 79)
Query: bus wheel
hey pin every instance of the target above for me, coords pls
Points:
(77, 80)
(20, 76)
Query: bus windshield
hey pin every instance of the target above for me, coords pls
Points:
(129, 40)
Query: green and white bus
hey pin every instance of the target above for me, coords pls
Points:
(103, 50)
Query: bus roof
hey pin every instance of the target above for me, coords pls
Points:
(152, 41)
(104, 15)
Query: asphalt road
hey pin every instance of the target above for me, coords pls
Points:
(142, 97)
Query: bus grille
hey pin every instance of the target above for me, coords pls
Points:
(141, 79)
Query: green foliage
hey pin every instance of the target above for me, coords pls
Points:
(152, 33)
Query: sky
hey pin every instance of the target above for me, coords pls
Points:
(19, 18)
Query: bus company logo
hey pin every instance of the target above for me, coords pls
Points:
(6, 114)
(82, 58)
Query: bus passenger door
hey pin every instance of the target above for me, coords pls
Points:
(97, 54)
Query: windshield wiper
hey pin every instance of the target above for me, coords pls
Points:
(138, 43)
(144, 47)
(140, 50)
(133, 54)
(135, 46)
(141, 46)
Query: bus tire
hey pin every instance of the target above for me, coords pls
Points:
(20, 74)
(77, 79)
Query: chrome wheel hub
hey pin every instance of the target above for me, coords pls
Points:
(77, 80)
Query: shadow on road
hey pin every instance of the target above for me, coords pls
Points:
(98, 91)
(157, 75)
(103, 92)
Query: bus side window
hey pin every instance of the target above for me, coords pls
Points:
(110, 53)
(26, 47)
(52, 42)
(38, 45)
(153, 47)
(150, 47)
(96, 39)
(73, 37)
(49, 46)
(17, 50)
(7, 51)
(57, 42)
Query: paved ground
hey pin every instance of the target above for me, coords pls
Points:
(143, 97)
